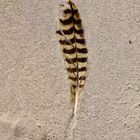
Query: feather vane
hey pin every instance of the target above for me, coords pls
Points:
(72, 42)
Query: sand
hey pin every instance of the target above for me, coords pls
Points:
(34, 90)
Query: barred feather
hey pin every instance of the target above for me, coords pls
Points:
(72, 42)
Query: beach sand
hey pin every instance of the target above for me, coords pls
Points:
(34, 88)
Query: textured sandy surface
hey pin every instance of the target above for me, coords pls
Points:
(34, 90)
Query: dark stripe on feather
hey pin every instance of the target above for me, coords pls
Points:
(83, 50)
(74, 11)
(75, 78)
(76, 69)
(72, 41)
(76, 21)
(70, 20)
(81, 86)
(67, 21)
(80, 41)
(74, 86)
(59, 32)
(82, 60)
(67, 11)
(78, 31)
(73, 50)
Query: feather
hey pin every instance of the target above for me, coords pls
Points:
(72, 43)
